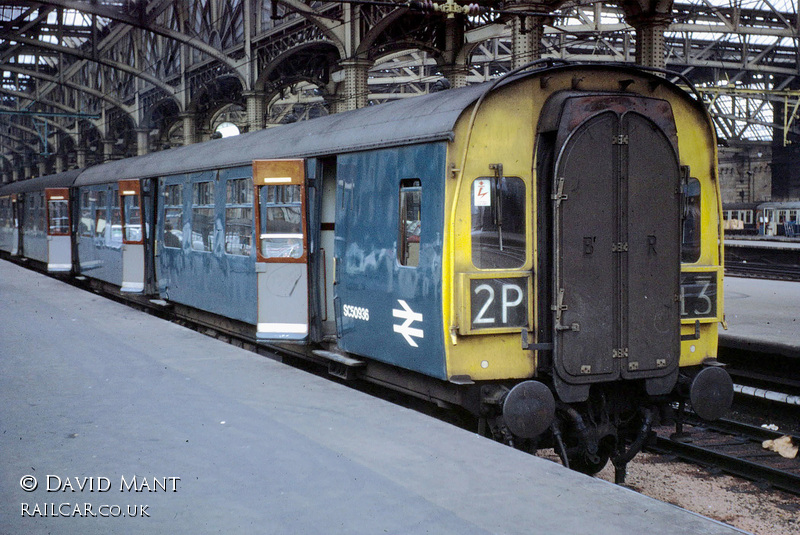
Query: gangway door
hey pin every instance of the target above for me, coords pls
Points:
(616, 252)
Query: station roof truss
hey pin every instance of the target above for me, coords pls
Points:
(80, 73)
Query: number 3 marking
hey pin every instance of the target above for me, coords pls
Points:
(702, 295)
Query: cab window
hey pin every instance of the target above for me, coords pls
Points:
(690, 224)
(498, 222)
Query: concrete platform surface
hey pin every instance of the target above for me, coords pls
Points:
(762, 315)
(180, 433)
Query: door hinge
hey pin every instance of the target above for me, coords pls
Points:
(620, 247)
(620, 140)
(559, 307)
(559, 196)
(620, 353)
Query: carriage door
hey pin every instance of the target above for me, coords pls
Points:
(59, 242)
(133, 263)
(617, 258)
(282, 252)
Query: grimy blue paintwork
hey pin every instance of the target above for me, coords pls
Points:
(370, 276)
(34, 242)
(100, 255)
(209, 280)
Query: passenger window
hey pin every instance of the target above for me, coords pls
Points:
(42, 214)
(87, 219)
(100, 214)
(281, 217)
(690, 228)
(116, 220)
(59, 217)
(132, 210)
(173, 216)
(498, 222)
(239, 217)
(203, 216)
(410, 222)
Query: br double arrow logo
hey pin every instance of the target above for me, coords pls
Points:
(405, 329)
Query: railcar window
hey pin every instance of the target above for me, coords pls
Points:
(116, 221)
(410, 222)
(690, 229)
(59, 217)
(239, 217)
(281, 232)
(173, 215)
(100, 214)
(29, 222)
(133, 218)
(87, 219)
(203, 216)
(41, 213)
(498, 222)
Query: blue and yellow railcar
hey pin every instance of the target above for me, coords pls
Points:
(542, 251)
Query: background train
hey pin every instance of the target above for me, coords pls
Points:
(542, 251)
(780, 218)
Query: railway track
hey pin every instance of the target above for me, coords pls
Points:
(734, 448)
(762, 270)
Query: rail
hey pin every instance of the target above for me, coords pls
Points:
(734, 448)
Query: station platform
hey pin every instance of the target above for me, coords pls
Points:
(762, 315)
(140, 425)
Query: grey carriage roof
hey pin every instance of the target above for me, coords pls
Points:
(402, 122)
(413, 120)
(58, 180)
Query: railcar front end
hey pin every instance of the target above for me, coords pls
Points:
(583, 253)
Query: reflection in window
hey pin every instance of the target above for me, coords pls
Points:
(690, 228)
(281, 232)
(59, 217)
(203, 216)
(410, 222)
(100, 214)
(116, 221)
(41, 213)
(133, 218)
(87, 216)
(498, 222)
(173, 216)
(239, 217)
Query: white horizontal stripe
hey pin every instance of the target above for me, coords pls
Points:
(59, 267)
(294, 328)
(277, 180)
(282, 236)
